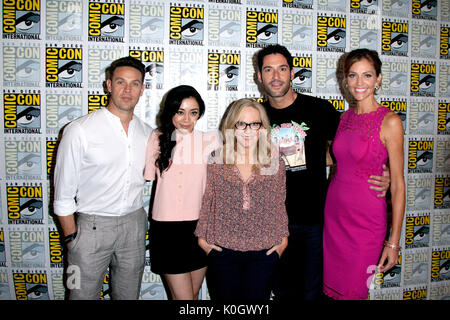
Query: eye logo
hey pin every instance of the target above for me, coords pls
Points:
(64, 67)
(297, 30)
(423, 78)
(27, 22)
(70, 23)
(302, 34)
(417, 231)
(424, 9)
(394, 38)
(25, 205)
(395, 77)
(302, 76)
(331, 34)
(388, 279)
(26, 117)
(28, 69)
(302, 81)
(64, 21)
(192, 29)
(111, 25)
(69, 70)
(223, 71)
(22, 112)
(440, 265)
(153, 26)
(229, 75)
(266, 33)
(261, 28)
(186, 25)
(24, 159)
(146, 23)
(21, 19)
(368, 39)
(399, 41)
(229, 30)
(420, 156)
(106, 22)
(422, 117)
(29, 286)
(224, 27)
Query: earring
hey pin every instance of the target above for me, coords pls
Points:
(377, 87)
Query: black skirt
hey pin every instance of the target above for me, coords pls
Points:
(174, 247)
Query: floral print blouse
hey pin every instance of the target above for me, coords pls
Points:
(243, 215)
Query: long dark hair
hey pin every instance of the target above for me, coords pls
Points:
(171, 105)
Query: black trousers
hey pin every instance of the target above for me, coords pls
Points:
(241, 275)
(300, 271)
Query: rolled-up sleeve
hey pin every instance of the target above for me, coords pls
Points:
(67, 170)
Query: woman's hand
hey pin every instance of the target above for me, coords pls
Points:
(279, 248)
(206, 246)
(388, 259)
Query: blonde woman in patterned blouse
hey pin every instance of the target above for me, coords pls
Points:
(243, 226)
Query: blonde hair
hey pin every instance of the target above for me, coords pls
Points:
(226, 128)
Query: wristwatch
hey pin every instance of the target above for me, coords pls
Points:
(70, 237)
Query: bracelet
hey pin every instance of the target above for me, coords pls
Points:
(70, 237)
(392, 246)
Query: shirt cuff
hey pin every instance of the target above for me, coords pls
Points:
(64, 207)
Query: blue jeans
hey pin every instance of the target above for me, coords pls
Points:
(299, 274)
(240, 275)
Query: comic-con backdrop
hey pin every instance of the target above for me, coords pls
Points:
(53, 60)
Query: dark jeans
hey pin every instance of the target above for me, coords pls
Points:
(300, 271)
(240, 275)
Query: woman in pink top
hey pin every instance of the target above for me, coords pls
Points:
(176, 160)
(243, 226)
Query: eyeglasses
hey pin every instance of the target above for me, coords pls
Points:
(240, 125)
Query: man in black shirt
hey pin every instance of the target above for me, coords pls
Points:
(302, 126)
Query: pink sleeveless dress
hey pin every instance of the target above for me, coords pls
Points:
(355, 219)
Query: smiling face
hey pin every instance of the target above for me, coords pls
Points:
(187, 115)
(362, 79)
(275, 75)
(248, 137)
(126, 88)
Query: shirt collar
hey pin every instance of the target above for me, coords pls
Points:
(116, 119)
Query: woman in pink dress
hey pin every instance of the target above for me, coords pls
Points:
(369, 135)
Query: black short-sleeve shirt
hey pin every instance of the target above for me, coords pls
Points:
(302, 131)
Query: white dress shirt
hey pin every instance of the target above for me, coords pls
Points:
(99, 168)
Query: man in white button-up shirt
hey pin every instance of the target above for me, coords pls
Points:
(98, 190)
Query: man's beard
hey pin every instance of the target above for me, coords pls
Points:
(277, 94)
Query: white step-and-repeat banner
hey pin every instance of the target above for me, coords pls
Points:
(53, 60)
